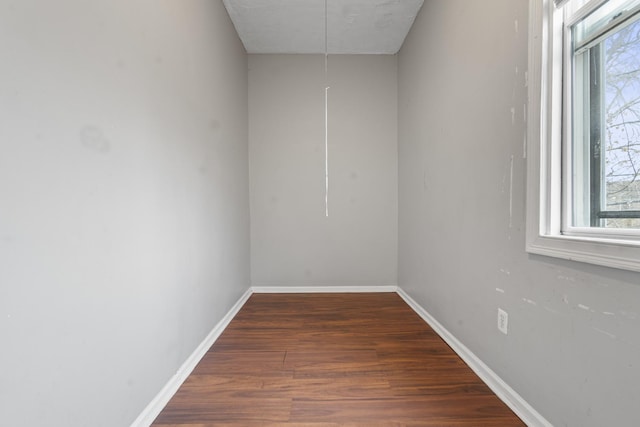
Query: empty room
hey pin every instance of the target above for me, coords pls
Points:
(319, 213)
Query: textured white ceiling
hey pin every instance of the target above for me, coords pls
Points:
(298, 26)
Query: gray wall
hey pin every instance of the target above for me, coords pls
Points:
(124, 220)
(573, 345)
(292, 242)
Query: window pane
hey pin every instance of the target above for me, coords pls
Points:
(592, 24)
(622, 124)
(606, 131)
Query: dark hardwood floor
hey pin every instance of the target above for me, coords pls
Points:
(329, 360)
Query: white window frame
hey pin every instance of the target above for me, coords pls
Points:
(545, 182)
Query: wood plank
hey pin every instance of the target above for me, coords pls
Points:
(434, 409)
(323, 360)
(239, 363)
(335, 363)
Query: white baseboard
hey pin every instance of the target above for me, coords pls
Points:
(508, 395)
(158, 403)
(322, 289)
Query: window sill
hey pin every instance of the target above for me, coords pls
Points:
(619, 254)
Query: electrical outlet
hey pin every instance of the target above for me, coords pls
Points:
(503, 321)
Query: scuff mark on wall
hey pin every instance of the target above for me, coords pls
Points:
(608, 313)
(586, 308)
(92, 138)
(529, 301)
(609, 334)
(516, 25)
(505, 271)
(513, 116)
(500, 290)
(524, 145)
(551, 310)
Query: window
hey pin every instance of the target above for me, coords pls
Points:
(584, 131)
(603, 54)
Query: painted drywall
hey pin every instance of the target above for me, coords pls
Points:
(292, 242)
(573, 346)
(124, 211)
